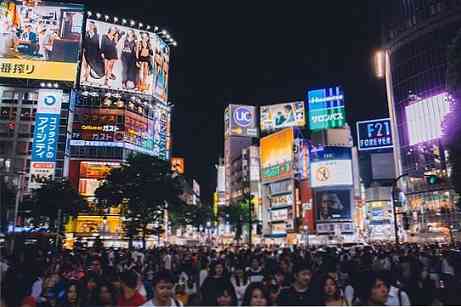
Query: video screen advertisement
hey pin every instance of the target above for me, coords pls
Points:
(374, 134)
(40, 41)
(125, 59)
(277, 156)
(240, 120)
(326, 108)
(281, 116)
(46, 134)
(333, 205)
(330, 166)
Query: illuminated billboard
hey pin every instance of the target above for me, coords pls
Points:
(91, 175)
(330, 166)
(333, 205)
(177, 165)
(374, 134)
(282, 116)
(425, 118)
(326, 108)
(40, 41)
(125, 59)
(240, 121)
(277, 155)
(46, 134)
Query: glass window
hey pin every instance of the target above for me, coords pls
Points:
(26, 114)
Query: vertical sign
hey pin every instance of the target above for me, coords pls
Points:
(326, 108)
(46, 134)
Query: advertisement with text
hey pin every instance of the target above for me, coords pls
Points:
(282, 116)
(40, 41)
(277, 155)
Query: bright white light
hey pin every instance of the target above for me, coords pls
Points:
(49, 84)
(379, 64)
(98, 15)
(106, 17)
(175, 44)
(425, 118)
(89, 13)
(124, 21)
(132, 23)
(56, 85)
(155, 28)
(42, 84)
(141, 25)
(115, 19)
(148, 27)
(168, 36)
(164, 32)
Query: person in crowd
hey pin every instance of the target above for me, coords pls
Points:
(72, 296)
(328, 293)
(373, 290)
(129, 295)
(163, 284)
(299, 294)
(217, 278)
(105, 295)
(255, 272)
(240, 281)
(226, 296)
(397, 296)
(90, 284)
(256, 295)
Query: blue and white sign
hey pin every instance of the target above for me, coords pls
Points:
(374, 134)
(326, 108)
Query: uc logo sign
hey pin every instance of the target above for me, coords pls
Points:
(243, 116)
(49, 100)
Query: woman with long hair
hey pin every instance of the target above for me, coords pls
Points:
(72, 295)
(144, 55)
(109, 53)
(128, 57)
(225, 295)
(256, 295)
(240, 281)
(329, 293)
(105, 295)
(217, 277)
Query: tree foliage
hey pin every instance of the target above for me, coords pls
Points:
(238, 215)
(452, 123)
(54, 196)
(144, 186)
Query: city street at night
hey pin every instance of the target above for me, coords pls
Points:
(177, 153)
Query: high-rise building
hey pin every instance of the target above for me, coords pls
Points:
(416, 36)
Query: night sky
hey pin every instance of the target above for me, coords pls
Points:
(255, 52)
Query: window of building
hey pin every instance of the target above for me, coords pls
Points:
(26, 114)
(22, 148)
(11, 97)
(4, 113)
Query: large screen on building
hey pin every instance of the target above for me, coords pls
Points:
(125, 59)
(240, 120)
(330, 166)
(91, 176)
(333, 205)
(374, 134)
(326, 108)
(283, 115)
(41, 40)
(277, 155)
(425, 118)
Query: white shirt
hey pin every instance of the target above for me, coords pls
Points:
(150, 303)
(203, 276)
(393, 298)
(167, 262)
(37, 288)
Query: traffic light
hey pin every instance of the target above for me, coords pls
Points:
(406, 221)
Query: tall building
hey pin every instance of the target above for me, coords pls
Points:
(416, 36)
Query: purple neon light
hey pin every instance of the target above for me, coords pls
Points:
(425, 118)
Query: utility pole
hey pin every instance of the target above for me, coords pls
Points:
(250, 219)
(394, 207)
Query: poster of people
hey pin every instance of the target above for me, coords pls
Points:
(123, 58)
(40, 40)
(283, 115)
(333, 205)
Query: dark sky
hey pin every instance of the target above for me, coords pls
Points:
(257, 52)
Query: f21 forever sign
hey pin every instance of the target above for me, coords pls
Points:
(374, 134)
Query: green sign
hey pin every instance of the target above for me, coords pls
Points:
(277, 171)
(326, 108)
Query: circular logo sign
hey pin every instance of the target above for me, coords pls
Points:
(243, 116)
(49, 100)
(323, 174)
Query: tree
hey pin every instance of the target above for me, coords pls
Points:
(54, 199)
(238, 215)
(452, 123)
(144, 186)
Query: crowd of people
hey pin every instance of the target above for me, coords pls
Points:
(405, 275)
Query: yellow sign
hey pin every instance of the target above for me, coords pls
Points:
(27, 69)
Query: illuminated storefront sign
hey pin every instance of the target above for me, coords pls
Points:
(326, 108)
(374, 134)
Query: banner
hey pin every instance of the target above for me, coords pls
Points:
(326, 108)
(40, 41)
(40, 172)
(277, 155)
(282, 116)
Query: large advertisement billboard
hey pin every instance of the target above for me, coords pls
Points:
(126, 59)
(333, 205)
(242, 121)
(277, 155)
(330, 166)
(283, 115)
(326, 108)
(374, 134)
(46, 134)
(91, 175)
(40, 40)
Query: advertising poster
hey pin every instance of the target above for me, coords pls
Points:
(104, 125)
(279, 230)
(161, 125)
(177, 165)
(301, 156)
(40, 172)
(126, 59)
(378, 213)
(326, 108)
(331, 173)
(92, 175)
(277, 155)
(282, 116)
(374, 134)
(40, 41)
(333, 205)
(242, 121)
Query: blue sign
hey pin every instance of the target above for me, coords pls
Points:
(326, 108)
(243, 116)
(374, 134)
(324, 153)
(46, 134)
